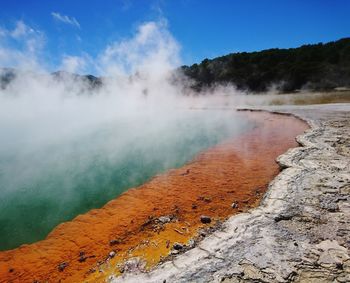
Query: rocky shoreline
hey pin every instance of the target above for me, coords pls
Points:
(300, 231)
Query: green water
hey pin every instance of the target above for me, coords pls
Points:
(45, 183)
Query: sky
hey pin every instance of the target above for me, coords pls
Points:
(202, 28)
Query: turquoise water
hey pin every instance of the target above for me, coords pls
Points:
(45, 183)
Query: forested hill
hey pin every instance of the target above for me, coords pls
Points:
(314, 67)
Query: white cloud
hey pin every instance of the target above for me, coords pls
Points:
(65, 19)
(3, 32)
(21, 30)
(21, 47)
(152, 50)
(73, 64)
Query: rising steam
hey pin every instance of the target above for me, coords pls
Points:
(67, 146)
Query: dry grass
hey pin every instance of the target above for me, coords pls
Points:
(310, 98)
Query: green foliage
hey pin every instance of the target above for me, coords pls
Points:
(314, 66)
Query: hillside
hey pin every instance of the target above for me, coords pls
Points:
(9, 75)
(313, 67)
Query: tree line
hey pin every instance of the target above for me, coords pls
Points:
(316, 67)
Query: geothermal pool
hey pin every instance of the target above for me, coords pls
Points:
(237, 167)
(45, 182)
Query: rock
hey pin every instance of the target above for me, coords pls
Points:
(286, 216)
(82, 258)
(194, 206)
(205, 219)
(203, 233)
(164, 219)
(133, 265)
(178, 246)
(112, 254)
(234, 205)
(329, 205)
(331, 253)
(191, 243)
(114, 242)
(62, 266)
(339, 265)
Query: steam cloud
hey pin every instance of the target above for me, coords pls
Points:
(48, 108)
(59, 135)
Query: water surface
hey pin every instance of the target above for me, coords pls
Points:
(44, 181)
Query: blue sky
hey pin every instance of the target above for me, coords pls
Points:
(203, 28)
